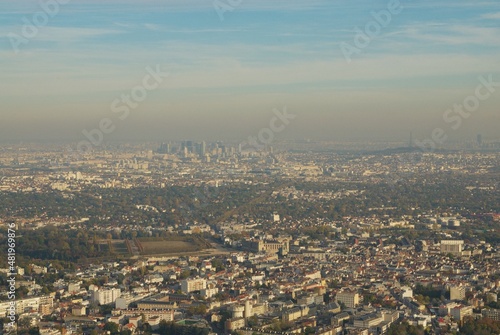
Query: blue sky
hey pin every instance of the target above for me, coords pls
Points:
(227, 75)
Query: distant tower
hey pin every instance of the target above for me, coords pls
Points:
(190, 146)
(411, 140)
(480, 140)
(203, 148)
(248, 309)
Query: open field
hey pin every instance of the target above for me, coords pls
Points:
(156, 246)
(166, 247)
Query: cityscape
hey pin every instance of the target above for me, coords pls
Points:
(211, 239)
(249, 167)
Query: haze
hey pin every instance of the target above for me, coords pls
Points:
(227, 76)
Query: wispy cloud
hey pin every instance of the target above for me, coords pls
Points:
(444, 34)
(61, 34)
(64, 34)
(492, 16)
(153, 27)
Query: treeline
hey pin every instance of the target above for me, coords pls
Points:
(182, 204)
(470, 327)
(407, 329)
(53, 243)
(73, 245)
(176, 204)
(480, 327)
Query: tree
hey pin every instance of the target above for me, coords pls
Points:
(34, 331)
(24, 323)
(146, 328)
(106, 309)
(253, 321)
(310, 330)
(405, 328)
(197, 309)
(480, 327)
(112, 328)
(164, 327)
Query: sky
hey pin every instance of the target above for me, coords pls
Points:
(230, 63)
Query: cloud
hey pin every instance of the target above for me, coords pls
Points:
(151, 26)
(73, 73)
(451, 34)
(68, 34)
(61, 34)
(491, 16)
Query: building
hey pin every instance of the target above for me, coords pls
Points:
(193, 285)
(235, 324)
(368, 321)
(50, 331)
(493, 314)
(43, 305)
(295, 313)
(79, 310)
(460, 312)
(457, 293)
(237, 311)
(270, 247)
(74, 288)
(161, 301)
(406, 292)
(454, 247)
(348, 298)
(162, 314)
(105, 297)
(209, 292)
(123, 302)
(491, 297)
(46, 308)
(382, 319)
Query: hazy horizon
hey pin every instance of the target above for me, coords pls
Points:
(228, 71)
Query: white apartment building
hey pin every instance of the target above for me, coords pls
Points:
(454, 247)
(457, 293)
(348, 298)
(192, 285)
(105, 297)
(24, 305)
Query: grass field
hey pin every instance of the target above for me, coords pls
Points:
(120, 247)
(167, 247)
(155, 246)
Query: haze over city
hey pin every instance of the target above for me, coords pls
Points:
(249, 167)
(229, 67)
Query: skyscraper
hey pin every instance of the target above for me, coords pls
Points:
(203, 148)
